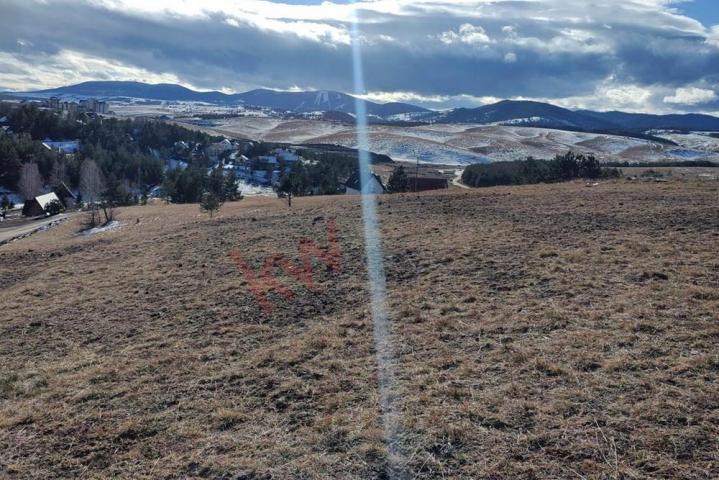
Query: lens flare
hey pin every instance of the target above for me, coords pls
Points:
(376, 275)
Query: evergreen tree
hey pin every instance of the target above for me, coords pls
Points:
(215, 183)
(398, 181)
(210, 203)
(230, 192)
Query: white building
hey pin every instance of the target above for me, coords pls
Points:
(62, 146)
(373, 187)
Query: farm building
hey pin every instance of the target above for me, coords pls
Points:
(422, 183)
(38, 205)
(66, 196)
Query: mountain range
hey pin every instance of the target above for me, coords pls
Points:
(301, 102)
(508, 112)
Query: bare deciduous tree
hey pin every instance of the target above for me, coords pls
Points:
(57, 176)
(91, 186)
(30, 183)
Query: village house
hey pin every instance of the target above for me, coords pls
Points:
(67, 197)
(38, 205)
(373, 187)
(215, 150)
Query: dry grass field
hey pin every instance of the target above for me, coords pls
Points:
(541, 332)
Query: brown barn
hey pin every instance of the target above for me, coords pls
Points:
(426, 182)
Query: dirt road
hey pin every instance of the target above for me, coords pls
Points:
(9, 233)
(457, 180)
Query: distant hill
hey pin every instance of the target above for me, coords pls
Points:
(537, 114)
(507, 112)
(111, 89)
(642, 121)
(525, 113)
(301, 102)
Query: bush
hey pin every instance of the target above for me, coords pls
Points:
(53, 208)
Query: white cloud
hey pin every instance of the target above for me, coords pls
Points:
(568, 40)
(713, 37)
(22, 73)
(691, 96)
(611, 95)
(430, 101)
(468, 33)
(510, 58)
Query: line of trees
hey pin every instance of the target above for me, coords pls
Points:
(562, 168)
(324, 173)
(664, 163)
(188, 185)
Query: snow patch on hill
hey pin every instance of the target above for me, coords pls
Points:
(462, 144)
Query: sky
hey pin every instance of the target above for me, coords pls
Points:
(658, 56)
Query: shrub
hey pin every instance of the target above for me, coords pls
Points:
(53, 208)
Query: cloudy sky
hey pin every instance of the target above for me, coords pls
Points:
(636, 55)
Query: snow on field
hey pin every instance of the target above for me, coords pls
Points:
(114, 225)
(254, 190)
(693, 144)
(461, 144)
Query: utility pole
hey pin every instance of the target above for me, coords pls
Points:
(416, 176)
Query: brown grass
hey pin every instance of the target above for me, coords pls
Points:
(541, 332)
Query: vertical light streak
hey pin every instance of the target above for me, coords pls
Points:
(376, 275)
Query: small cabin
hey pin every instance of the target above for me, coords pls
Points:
(38, 205)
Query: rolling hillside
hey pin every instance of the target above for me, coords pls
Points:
(471, 143)
(540, 332)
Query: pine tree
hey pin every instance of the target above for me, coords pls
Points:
(210, 203)
(230, 192)
(398, 181)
